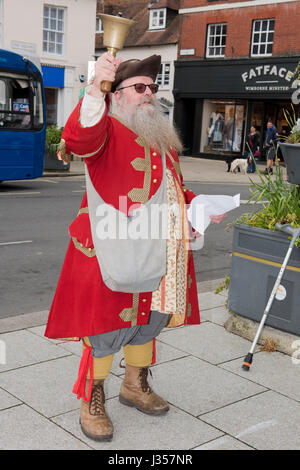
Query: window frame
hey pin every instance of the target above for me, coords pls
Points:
(56, 31)
(99, 26)
(215, 35)
(154, 12)
(260, 32)
(162, 76)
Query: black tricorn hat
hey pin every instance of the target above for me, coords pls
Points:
(148, 67)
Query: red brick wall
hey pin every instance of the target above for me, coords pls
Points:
(239, 28)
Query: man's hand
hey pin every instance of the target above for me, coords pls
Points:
(105, 70)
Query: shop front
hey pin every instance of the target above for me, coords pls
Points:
(217, 102)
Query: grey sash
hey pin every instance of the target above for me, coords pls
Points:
(131, 251)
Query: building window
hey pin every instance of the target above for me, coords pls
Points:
(99, 26)
(262, 38)
(163, 77)
(158, 18)
(216, 40)
(53, 30)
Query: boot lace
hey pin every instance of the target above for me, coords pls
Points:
(143, 378)
(97, 400)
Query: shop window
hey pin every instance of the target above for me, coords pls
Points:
(222, 127)
(157, 19)
(53, 30)
(163, 77)
(262, 38)
(216, 40)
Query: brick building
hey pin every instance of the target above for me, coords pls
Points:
(234, 69)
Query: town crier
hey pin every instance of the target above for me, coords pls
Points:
(120, 291)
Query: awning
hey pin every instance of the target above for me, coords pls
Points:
(53, 76)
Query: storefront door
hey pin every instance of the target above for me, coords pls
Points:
(263, 111)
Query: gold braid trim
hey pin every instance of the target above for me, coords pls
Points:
(90, 252)
(130, 314)
(87, 155)
(141, 195)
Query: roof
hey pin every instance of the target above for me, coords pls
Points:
(139, 34)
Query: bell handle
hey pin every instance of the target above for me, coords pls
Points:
(105, 85)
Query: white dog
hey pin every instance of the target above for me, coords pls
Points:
(240, 163)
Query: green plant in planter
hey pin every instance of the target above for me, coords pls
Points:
(281, 202)
(53, 136)
(294, 124)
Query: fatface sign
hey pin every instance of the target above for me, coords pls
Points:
(237, 78)
(267, 77)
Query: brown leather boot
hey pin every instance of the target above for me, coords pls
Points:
(95, 423)
(135, 391)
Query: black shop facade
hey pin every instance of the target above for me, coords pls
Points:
(217, 102)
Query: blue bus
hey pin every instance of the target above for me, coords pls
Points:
(22, 118)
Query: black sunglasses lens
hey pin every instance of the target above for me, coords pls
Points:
(153, 87)
(140, 88)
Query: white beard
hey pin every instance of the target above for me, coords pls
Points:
(148, 122)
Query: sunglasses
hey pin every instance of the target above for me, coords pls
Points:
(141, 87)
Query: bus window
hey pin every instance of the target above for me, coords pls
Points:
(21, 103)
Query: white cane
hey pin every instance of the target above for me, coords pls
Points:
(295, 232)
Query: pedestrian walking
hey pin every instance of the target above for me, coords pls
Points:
(115, 292)
(270, 145)
(253, 151)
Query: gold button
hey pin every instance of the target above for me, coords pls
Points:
(90, 249)
(184, 190)
(155, 180)
(144, 300)
(154, 167)
(81, 245)
(143, 313)
(154, 154)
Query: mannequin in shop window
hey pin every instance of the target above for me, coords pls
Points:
(216, 128)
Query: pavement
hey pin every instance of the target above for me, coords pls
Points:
(214, 403)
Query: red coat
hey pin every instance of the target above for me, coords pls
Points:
(119, 164)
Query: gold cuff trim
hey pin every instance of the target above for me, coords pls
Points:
(83, 210)
(87, 155)
(90, 252)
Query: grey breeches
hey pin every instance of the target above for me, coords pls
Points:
(111, 342)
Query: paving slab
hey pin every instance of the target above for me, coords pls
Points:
(209, 300)
(207, 341)
(134, 430)
(218, 315)
(268, 421)
(47, 387)
(197, 387)
(24, 348)
(7, 401)
(275, 371)
(224, 443)
(22, 428)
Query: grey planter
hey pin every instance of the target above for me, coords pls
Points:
(51, 162)
(257, 256)
(291, 156)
